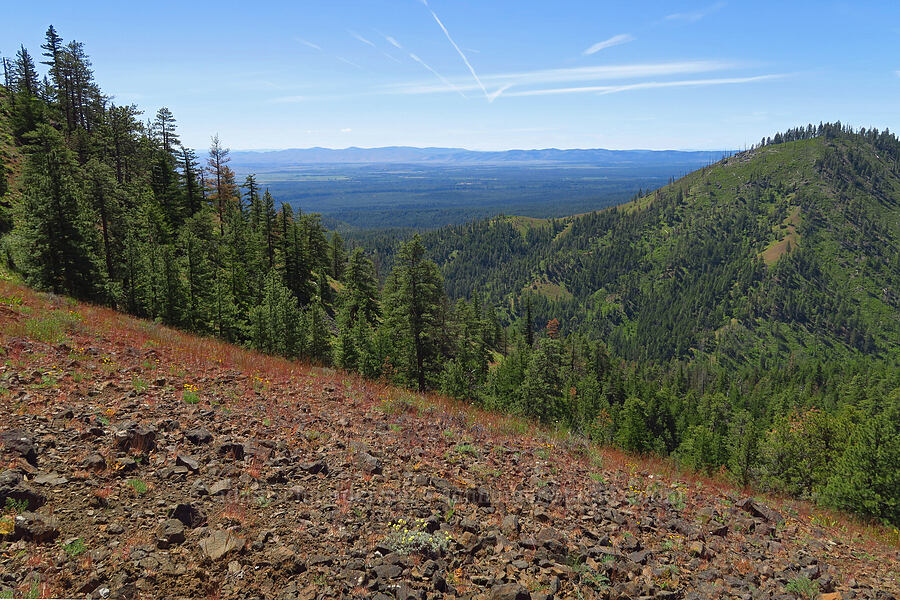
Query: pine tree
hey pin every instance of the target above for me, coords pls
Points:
(529, 323)
(253, 204)
(83, 95)
(743, 438)
(414, 299)
(119, 134)
(53, 49)
(866, 479)
(164, 130)
(194, 240)
(360, 296)
(61, 255)
(106, 205)
(268, 226)
(542, 389)
(338, 256)
(318, 335)
(223, 190)
(189, 172)
(275, 323)
(24, 73)
(294, 263)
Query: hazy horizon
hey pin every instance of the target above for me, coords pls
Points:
(463, 148)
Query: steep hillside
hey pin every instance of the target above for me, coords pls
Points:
(139, 462)
(788, 249)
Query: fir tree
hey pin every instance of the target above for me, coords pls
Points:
(61, 255)
(413, 303)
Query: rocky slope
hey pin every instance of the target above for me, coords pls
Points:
(138, 462)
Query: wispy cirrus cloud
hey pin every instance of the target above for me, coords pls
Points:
(309, 44)
(622, 38)
(645, 85)
(557, 76)
(360, 38)
(349, 62)
(393, 42)
(570, 75)
(287, 99)
(694, 16)
(446, 81)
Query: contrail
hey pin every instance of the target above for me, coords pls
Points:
(497, 94)
(360, 38)
(441, 77)
(309, 44)
(349, 62)
(463, 56)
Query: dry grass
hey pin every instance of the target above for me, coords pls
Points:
(788, 242)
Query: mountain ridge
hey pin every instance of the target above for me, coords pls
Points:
(804, 198)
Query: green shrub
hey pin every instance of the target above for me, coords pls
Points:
(803, 587)
(866, 477)
(407, 537)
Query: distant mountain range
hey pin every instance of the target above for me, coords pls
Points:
(458, 156)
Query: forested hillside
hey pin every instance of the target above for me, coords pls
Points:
(744, 318)
(789, 249)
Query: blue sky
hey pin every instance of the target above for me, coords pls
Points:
(486, 74)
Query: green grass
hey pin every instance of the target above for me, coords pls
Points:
(139, 486)
(14, 506)
(466, 448)
(53, 326)
(803, 587)
(402, 402)
(75, 548)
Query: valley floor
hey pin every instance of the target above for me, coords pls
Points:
(139, 462)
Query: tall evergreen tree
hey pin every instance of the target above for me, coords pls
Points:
(414, 303)
(189, 173)
(338, 256)
(223, 189)
(56, 227)
(24, 73)
(164, 130)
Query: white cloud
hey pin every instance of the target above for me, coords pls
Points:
(309, 44)
(287, 99)
(897, 73)
(438, 75)
(622, 38)
(393, 42)
(615, 89)
(570, 75)
(346, 130)
(496, 94)
(349, 62)
(693, 17)
(360, 38)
